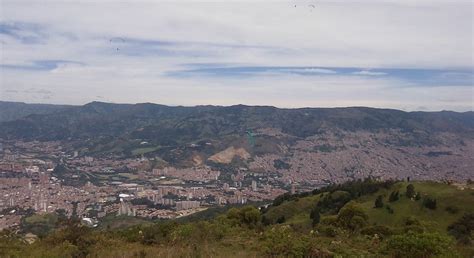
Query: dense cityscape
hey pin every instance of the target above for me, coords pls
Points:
(52, 177)
(31, 181)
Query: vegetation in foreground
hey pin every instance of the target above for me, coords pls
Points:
(360, 218)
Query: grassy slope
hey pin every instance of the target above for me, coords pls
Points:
(244, 242)
(437, 220)
(297, 212)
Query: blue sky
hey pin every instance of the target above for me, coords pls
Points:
(389, 54)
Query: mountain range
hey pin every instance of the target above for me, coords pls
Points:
(305, 144)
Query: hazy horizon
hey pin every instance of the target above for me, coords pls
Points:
(230, 105)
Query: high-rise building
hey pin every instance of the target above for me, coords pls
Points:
(126, 209)
(186, 205)
(254, 185)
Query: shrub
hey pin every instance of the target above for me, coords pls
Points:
(380, 230)
(248, 215)
(429, 203)
(413, 229)
(418, 245)
(462, 228)
(282, 241)
(452, 209)
(417, 196)
(327, 230)
(281, 219)
(409, 221)
(329, 220)
(352, 217)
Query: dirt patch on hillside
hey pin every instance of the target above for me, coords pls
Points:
(228, 154)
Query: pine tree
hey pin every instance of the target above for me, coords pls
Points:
(379, 202)
(394, 196)
(410, 191)
(315, 216)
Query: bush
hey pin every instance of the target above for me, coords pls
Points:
(409, 221)
(452, 209)
(329, 220)
(429, 203)
(413, 229)
(389, 209)
(462, 229)
(327, 230)
(352, 217)
(282, 241)
(418, 245)
(248, 215)
(380, 230)
(417, 196)
(281, 220)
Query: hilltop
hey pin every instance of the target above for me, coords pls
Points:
(431, 219)
(11, 111)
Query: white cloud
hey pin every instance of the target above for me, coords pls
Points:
(369, 73)
(364, 34)
(308, 70)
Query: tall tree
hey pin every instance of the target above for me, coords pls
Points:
(394, 196)
(410, 191)
(379, 202)
(315, 215)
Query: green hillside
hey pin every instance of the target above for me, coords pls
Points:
(429, 220)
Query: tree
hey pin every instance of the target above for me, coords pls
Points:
(379, 202)
(394, 196)
(410, 191)
(248, 215)
(352, 216)
(315, 216)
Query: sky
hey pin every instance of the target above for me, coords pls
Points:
(403, 54)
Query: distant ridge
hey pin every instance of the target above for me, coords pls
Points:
(57, 122)
(10, 111)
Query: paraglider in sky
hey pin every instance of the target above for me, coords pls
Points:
(116, 42)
